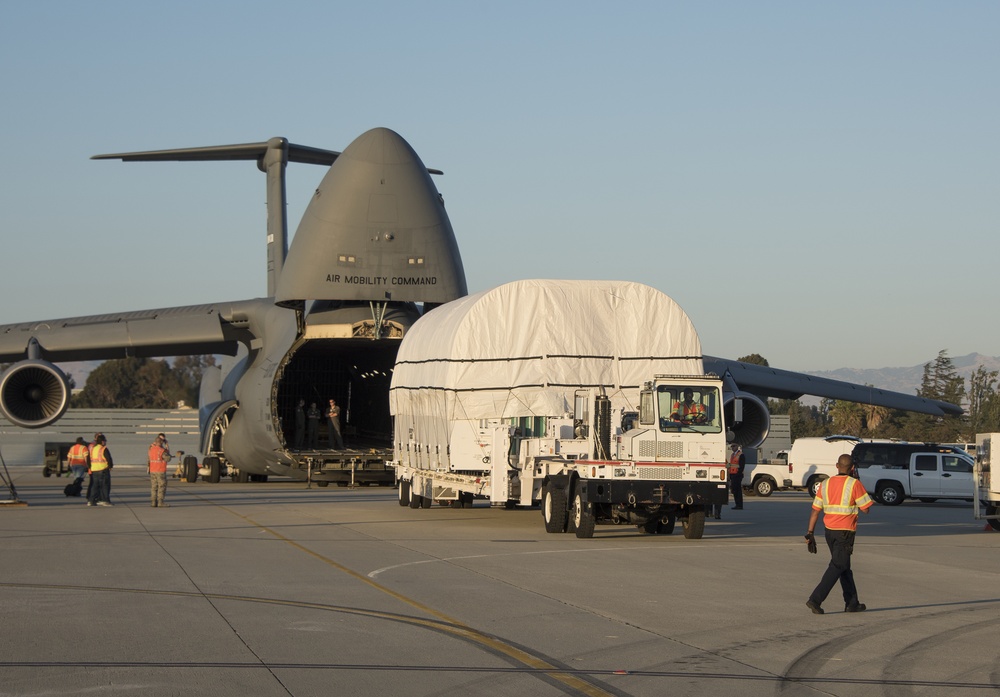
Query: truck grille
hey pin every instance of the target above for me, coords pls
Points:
(664, 473)
(653, 450)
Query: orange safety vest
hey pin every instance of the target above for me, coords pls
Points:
(840, 498)
(685, 409)
(77, 455)
(734, 463)
(97, 460)
(157, 461)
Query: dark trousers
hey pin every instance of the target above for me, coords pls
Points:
(841, 543)
(101, 486)
(736, 486)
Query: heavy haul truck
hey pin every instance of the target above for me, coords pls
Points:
(587, 398)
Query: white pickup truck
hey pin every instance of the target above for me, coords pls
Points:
(894, 472)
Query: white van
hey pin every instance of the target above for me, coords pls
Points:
(810, 461)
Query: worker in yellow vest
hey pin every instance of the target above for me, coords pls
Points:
(100, 470)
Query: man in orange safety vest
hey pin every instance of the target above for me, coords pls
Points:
(839, 498)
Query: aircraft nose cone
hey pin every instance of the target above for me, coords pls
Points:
(375, 230)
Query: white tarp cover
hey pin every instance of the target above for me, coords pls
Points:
(521, 349)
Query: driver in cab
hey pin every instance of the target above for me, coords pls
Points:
(688, 411)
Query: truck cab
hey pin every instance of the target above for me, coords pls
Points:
(680, 419)
(894, 472)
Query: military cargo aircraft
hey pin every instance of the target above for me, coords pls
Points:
(373, 252)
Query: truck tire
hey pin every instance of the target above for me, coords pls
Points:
(583, 518)
(694, 525)
(890, 494)
(994, 523)
(404, 492)
(764, 486)
(214, 466)
(554, 509)
(814, 484)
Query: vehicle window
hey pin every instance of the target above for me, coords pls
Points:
(952, 463)
(925, 463)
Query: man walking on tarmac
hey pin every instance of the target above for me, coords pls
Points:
(840, 498)
(159, 456)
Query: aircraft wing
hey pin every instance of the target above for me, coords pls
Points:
(175, 331)
(785, 384)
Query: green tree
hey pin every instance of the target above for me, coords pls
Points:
(188, 371)
(130, 383)
(984, 403)
(754, 358)
(942, 382)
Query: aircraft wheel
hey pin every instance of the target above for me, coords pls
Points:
(694, 526)
(214, 466)
(554, 509)
(190, 468)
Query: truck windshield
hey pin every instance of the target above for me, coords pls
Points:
(696, 408)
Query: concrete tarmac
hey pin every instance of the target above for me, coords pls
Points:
(278, 589)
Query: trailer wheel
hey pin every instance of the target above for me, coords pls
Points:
(426, 501)
(213, 465)
(583, 520)
(764, 486)
(46, 472)
(994, 522)
(694, 525)
(890, 494)
(322, 484)
(242, 477)
(190, 468)
(415, 498)
(554, 509)
(404, 492)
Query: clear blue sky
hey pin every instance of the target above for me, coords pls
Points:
(814, 182)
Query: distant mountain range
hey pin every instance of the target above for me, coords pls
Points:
(907, 380)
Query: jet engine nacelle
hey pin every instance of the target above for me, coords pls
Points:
(33, 393)
(747, 418)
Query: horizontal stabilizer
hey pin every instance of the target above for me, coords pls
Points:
(245, 151)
